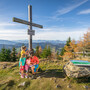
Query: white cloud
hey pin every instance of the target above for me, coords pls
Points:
(3, 24)
(53, 33)
(64, 11)
(16, 34)
(70, 8)
(7, 24)
(85, 12)
(55, 18)
(60, 35)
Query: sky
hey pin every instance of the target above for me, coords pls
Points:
(60, 19)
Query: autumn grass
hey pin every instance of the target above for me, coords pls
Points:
(51, 75)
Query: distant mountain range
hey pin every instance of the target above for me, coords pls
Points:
(41, 41)
(57, 44)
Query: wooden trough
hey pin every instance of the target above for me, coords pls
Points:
(81, 63)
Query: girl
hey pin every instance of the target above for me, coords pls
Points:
(24, 50)
(22, 64)
(27, 66)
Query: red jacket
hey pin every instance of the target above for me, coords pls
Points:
(34, 60)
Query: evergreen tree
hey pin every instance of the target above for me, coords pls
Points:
(68, 41)
(8, 55)
(49, 51)
(67, 44)
(62, 52)
(37, 51)
(2, 54)
(13, 55)
(57, 54)
(44, 52)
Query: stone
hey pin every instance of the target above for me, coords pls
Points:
(39, 77)
(14, 65)
(68, 86)
(86, 87)
(55, 81)
(58, 86)
(21, 84)
(24, 84)
(74, 71)
(64, 79)
(46, 69)
(51, 79)
(33, 77)
(4, 66)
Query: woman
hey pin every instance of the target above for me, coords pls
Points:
(34, 62)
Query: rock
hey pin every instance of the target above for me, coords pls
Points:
(86, 87)
(64, 79)
(24, 84)
(14, 65)
(4, 66)
(58, 86)
(51, 79)
(21, 84)
(39, 77)
(74, 71)
(29, 76)
(69, 86)
(55, 81)
(33, 77)
(46, 69)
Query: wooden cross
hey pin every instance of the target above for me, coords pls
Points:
(30, 24)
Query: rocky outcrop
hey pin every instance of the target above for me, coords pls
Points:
(74, 71)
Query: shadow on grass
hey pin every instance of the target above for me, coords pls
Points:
(8, 85)
(58, 73)
(83, 80)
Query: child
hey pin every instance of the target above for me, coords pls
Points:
(27, 66)
(22, 64)
(23, 48)
(35, 62)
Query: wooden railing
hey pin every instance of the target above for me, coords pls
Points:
(84, 54)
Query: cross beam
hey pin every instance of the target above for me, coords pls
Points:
(26, 22)
(30, 24)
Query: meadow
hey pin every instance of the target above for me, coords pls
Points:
(50, 76)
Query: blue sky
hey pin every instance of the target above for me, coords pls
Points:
(60, 19)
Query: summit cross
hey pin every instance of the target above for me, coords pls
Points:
(30, 24)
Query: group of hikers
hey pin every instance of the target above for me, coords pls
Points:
(27, 62)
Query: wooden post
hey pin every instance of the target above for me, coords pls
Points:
(30, 26)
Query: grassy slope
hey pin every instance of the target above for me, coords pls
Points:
(51, 76)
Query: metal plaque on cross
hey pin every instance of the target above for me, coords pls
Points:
(31, 32)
